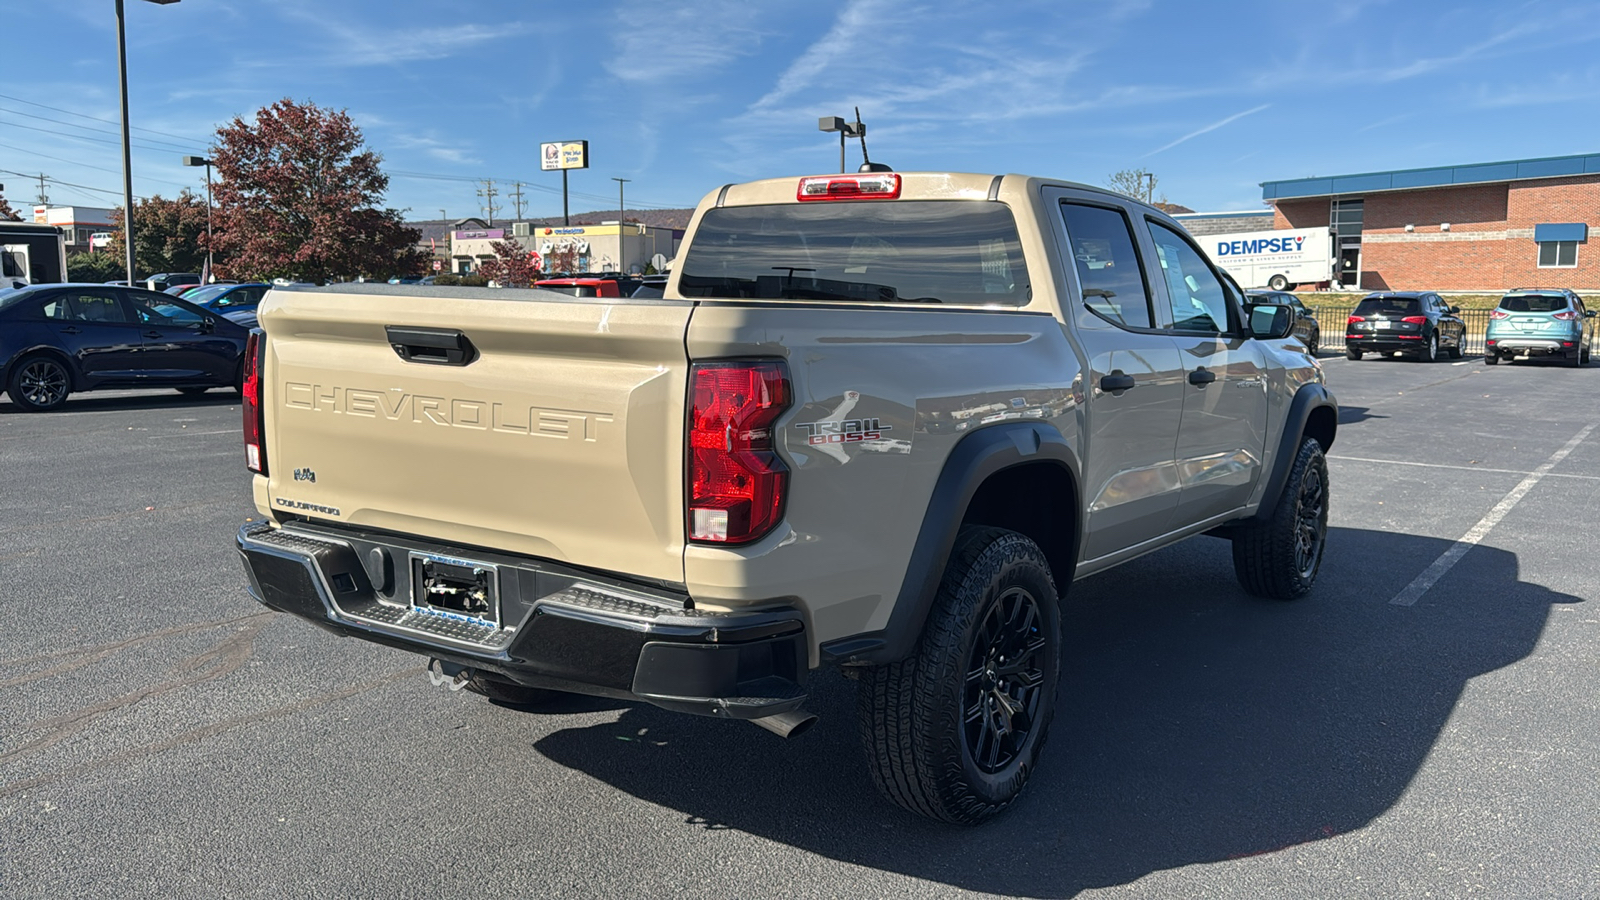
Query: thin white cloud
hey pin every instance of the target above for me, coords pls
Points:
(681, 41)
(1209, 128)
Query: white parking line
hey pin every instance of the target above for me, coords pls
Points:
(1420, 585)
(157, 437)
(1408, 462)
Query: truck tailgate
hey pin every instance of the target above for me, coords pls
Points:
(560, 437)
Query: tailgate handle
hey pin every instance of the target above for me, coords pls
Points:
(435, 346)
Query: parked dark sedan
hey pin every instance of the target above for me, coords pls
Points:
(1305, 321)
(56, 339)
(1418, 323)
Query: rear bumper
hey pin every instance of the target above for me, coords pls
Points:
(559, 628)
(1385, 343)
(1531, 345)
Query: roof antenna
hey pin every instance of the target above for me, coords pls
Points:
(867, 165)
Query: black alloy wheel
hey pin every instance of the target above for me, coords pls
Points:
(40, 383)
(1005, 672)
(1311, 521)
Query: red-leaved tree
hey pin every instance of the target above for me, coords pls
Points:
(512, 266)
(168, 235)
(300, 196)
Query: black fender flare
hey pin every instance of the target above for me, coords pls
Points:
(974, 458)
(1310, 397)
(41, 350)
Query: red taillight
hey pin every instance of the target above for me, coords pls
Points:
(1415, 320)
(255, 447)
(878, 186)
(1354, 319)
(736, 480)
(1499, 314)
(1567, 315)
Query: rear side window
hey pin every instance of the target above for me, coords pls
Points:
(931, 251)
(1108, 266)
(1388, 306)
(1538, 303)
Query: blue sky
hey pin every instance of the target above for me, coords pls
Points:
(682, 97)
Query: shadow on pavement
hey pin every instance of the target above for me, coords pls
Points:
(1350, 415)
(1195, 725)
(117, 401)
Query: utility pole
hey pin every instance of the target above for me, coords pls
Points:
(1150, 186)
(44, 198)
(622, 222)
(517, 194)
(488, 193)
(444, 216)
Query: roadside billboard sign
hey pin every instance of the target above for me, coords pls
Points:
(564, 155)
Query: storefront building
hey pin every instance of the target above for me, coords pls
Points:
(607, 247)
(1486, 226)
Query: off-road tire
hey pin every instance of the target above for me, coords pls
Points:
(1352, 354)
(1279, 558)
(39, 383)
(921, 717)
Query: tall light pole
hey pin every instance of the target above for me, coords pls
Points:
(127, 144)
(1150, 186)
(622, 222)
(204, 161)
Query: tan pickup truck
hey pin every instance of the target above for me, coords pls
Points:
(878, 421)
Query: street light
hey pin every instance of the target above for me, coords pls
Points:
(127, 145)
(845, 129)
(622, 221)
(204, 161)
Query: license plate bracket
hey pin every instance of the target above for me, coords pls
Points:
(454, 588)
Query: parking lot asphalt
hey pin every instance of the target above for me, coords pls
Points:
(1424, 724)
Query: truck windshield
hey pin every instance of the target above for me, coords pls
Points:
(934, 251)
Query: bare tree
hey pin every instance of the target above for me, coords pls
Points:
(1140, 184)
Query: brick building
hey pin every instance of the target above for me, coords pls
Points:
(1487, 226)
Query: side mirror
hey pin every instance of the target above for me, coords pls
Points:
(1271, 321)
(207, 325)
(1453, 309)
(1588, 314)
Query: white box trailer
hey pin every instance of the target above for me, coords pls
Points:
(31, 254)
(1277, 259)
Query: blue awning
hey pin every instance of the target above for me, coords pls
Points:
(1567, 231)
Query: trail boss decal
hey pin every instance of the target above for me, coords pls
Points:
(847, 431)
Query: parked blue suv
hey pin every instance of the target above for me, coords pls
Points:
(1548, 322)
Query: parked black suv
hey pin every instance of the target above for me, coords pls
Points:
(1417, 323)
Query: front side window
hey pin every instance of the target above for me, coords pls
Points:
(1198, 300)
(157, 309)
(923, 251)
(1558, 254)
(1109, 268)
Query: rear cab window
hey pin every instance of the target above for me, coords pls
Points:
(964, 252)
(1534, 303)
(1388, 306)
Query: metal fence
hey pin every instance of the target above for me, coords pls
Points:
(1332, 320)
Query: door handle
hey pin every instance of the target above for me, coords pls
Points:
(152, 334)
(1116, 381)
(72, 329)
(1201, 377)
